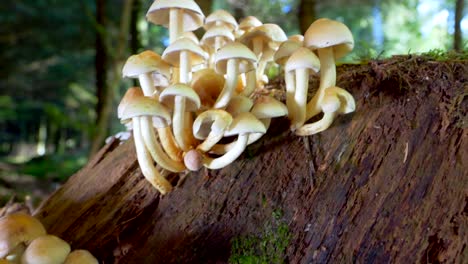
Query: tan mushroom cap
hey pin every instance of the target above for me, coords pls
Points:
(302, 58)
(239, 104)
(249, 22)
(80, 256)
(18, 228)
(347, 103)
(323, 33)
(218, 121)
(172, 53)
(208, 85)
(220, 17)
(297, 38)
(192, 102)
(285, 50)
(268, 107)
(268, 33)
(245, 123)
(235, 50)
(193, 17)
(46, 249)
(221, 31)
(145, 62)
(134, 104)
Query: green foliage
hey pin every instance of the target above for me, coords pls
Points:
(268, 247)
(57, 167)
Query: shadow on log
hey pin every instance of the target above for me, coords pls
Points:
(385, 184)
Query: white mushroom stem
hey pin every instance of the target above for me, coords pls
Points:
(251, 82)
(230, 85)
(169, 143)
(147, 83)
(155, 149)
(179, 116)
(146, 162)
(175, 24)
(300, 97)
(318, 126)
(327, 79)
(229, 156)
(290, 81)
(210, 141)
(257, 46)
(261, 68)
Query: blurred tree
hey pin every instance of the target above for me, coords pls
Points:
(457, 36)
(307, 14)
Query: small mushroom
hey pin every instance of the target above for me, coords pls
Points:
(232, 59)
(16, 230)
(301, 62)
(80, 256)
(215, 38)
(246, 24)
(178, 15)
(335, 101)
(142, 66)
(332, 40)
(220, 17)
(46, 249)
(208, 85)
(243, 125)
(218, 121)
(239, 104)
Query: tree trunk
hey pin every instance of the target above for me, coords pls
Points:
(103, 90)
(457, 36)
(387, 184)
(307, 14)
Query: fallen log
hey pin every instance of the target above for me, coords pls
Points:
(385, 184)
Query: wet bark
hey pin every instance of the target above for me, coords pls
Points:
(385, 184)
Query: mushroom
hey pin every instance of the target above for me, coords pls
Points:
(215, 38)
(232, 59)
(285, 50)
(332, 40)
(208, 85)
(178, 15)
(239, 104)
(142, 66)
(137, 107)
(46, 249)
(80, 256)
(301, 61)
(247, 24)
(218, 121)
(243, 125)
(220, 17)
(335, 101)
(16, 230)
(181, 98)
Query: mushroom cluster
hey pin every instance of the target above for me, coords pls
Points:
(23, 239)
(201, 102)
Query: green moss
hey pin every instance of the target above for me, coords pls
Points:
(268, 247)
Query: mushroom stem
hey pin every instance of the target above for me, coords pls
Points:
(145, 161)
(290, 81)
(146, 83)
(251, 82)
(169, 143)
(184, 68)
(229, 156)
(257, 46)
(210, 141)
(178, 120)
(318, 126)
(327, 79)
(175, 24)
(300, 97)
(154, 148)
(230, 85)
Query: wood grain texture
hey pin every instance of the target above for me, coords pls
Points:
(388, 183)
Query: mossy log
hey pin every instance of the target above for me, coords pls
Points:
(386, 184)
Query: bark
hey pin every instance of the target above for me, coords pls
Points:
(457, 36)
(307, 14)
(386, 184)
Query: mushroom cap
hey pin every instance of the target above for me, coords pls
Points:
(268, 107)
(249, 22)
(218, 121)
(217, 31)
(193, 17)
(192, 102)
(80, 256)
(297, 38)
(193, 160)
(347, 103)
(330, 103)
(134, 104)
(145, 62)
(190, 35)
(208, 85)
(18, 228)
(220, 16)
(46, 249)
(267, 32)
(245, 123)
(302, 58)
(323, 33)
(239, 104)
(172, 53)
(235, 50)
(285, 50)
